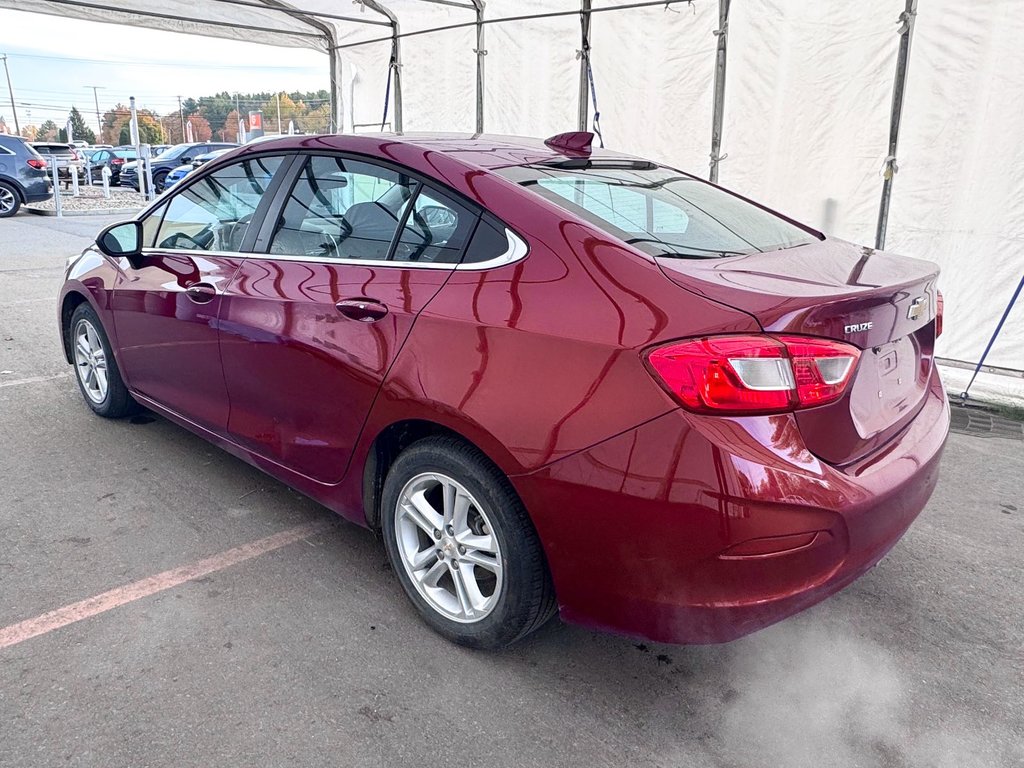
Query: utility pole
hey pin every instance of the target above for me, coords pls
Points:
(96, 100)
(10, 90)
(181, 119)
(279, 113)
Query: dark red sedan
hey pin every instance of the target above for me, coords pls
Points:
(555, 379)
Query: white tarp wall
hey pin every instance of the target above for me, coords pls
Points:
(959, 193)
(806, 108)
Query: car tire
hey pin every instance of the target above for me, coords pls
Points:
(10, 200)
(503, 575)
(96, 371)
(158, 182)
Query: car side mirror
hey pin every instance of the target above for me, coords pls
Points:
(186, 160)
(124, 239)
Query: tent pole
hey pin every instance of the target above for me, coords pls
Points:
(906, 32)
(396, 55)
(584, 57)
(722, 33)
(480, 52)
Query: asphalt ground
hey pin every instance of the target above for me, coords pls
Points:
(307, 653)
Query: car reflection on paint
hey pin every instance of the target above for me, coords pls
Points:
(556, 379)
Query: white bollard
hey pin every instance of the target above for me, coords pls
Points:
(105, 173)
(56, 187)
(73, 170)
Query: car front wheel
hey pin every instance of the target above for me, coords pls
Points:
(96, 370)
(462, 545)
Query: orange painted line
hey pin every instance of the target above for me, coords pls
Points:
(114, 598)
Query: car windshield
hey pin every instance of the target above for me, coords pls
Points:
(175, 152)
(659, 210)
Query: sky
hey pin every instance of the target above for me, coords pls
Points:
(54, 60)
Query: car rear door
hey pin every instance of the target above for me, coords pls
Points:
(309, 329)
(166, 305)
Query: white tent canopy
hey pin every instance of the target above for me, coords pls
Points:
(804, 107)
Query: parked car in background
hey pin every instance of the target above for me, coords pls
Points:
(23, 175)
(114, 159)
(68, 158)
(182, 171)
(179, 154)
(553, 377)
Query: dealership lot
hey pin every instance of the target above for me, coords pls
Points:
(308, 654)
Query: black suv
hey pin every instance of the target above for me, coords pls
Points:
(23, 177)
(179, 154)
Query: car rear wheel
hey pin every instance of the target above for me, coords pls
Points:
(10, 202)
(95, 367)
(463, 547)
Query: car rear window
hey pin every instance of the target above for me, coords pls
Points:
(659, 210)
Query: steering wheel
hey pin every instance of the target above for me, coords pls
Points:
(201, 241)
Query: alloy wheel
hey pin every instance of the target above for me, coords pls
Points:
(7, 200)
(449, 548)
(91, 362)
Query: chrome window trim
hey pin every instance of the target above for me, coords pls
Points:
(517, 250)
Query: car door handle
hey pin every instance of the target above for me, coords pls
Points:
(364, 310)
(201, 293)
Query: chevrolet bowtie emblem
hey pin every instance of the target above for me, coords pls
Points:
(917, 307)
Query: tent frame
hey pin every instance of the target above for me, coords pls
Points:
(323, 35)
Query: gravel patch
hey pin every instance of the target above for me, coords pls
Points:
(93, 201)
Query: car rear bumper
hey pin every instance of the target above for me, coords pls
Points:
(693, 529)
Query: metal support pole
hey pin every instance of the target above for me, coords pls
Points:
(906, 33)
(480, 52)
(10, 90)
(56, 187)
(96, 100)
(396, 55)
(140, 165)
(584, 57)
(181, 120)
(722, 33)
(279, 131)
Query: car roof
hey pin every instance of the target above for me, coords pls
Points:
(480, 150)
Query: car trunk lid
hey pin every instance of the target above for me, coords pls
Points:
(883, 304)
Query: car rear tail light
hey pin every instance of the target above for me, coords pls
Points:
(117, 160)
(37, 163)
(755, 373)
(938, 314)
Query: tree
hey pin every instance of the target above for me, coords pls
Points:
(113, 121)
(317, 120)
(230, 130)
(79, 130)
(201, 130)
(150, 131)
(29, 132)
(47, 131)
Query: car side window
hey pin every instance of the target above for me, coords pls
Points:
(436, 230)
(490, 241)
(342, 209)
(214, 213)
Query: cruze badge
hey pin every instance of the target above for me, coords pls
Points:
(917, 308)
(859, 327)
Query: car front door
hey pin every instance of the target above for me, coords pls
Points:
(166, 305)
(311, 327)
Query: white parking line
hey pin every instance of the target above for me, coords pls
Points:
(32, 380)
